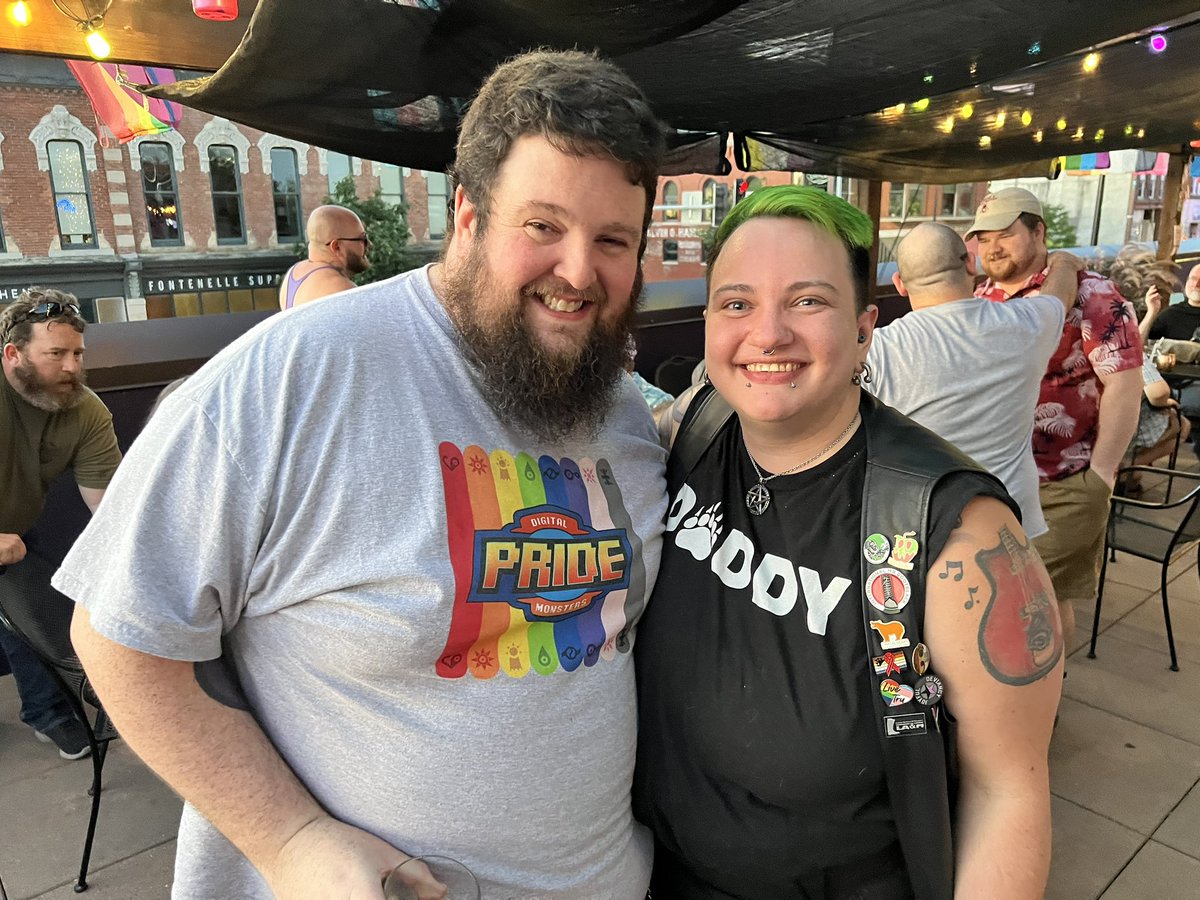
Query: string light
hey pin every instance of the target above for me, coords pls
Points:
(1078, 135)
(1061, 124)
(1099, 135)
(1001, 118)
(18, 13)
(1128, 130)
(1026, 118)
(1091, 62)
(91, 24)
(1158, 43)
(985, 142)
(1038, 136)
(1141, 133)
(967, 110)
(920, 105)
(97, 44)
(928, 78)
(947, 124)
(1035, 48)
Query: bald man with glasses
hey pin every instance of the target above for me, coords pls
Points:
(337, 250)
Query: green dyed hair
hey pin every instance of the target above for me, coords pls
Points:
(847, 223)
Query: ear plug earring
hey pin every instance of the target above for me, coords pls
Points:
(862, 338)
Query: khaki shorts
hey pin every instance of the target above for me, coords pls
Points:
(1076, 511)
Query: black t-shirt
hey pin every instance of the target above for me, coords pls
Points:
(1177, 322)
(758, 755)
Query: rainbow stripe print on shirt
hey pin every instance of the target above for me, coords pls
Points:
(547, 565)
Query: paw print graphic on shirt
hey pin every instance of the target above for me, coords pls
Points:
(698, 534)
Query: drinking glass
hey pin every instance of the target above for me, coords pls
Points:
(431, 877)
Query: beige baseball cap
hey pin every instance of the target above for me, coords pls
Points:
(999, 210)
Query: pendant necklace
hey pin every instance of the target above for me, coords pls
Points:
(758, 498)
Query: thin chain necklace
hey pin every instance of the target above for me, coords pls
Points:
(758, 498)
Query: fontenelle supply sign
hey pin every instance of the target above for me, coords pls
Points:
(185, 284)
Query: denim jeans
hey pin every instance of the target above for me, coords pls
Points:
(43, 704)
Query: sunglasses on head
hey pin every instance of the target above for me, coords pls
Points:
(52, 308)
(47, 309)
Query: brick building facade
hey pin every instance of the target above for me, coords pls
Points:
(201, 219)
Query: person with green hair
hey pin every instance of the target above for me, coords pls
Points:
(848, 672)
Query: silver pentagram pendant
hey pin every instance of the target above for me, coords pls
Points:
(758, 498)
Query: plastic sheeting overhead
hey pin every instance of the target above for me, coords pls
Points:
(812, 86)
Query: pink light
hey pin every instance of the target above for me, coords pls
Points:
(1158, 43)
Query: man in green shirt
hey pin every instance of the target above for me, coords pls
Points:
(49, 422)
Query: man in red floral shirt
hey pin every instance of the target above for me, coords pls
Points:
(1087, 409)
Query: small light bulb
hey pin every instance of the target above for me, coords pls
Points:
(967, 110)
(1141, 133)
(97, 45)
(18, 13)
(1035, 48)
(947, 124)
(1038, 136)
(985, 142)
(928, 78)
(1091, 62)
(1061, 124)
(920, 105)
(1099, 135)
(1078, 135)
(1026, 118)
(1001, 118)
(1158, 43)
(1128, 130)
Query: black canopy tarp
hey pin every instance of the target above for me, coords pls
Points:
(811, 86)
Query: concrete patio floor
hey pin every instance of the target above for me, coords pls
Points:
(1125, 772)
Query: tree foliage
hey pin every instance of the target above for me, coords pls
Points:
(387, 227)
(1059, 230)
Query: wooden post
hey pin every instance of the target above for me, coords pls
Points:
(1173, 192)
(875, 211)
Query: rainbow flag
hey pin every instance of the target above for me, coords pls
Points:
(1087, 162)
(126, 111)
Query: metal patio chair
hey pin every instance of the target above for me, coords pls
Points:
(1159, 530)
(41, 616)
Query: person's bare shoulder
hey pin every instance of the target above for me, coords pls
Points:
(322, 283)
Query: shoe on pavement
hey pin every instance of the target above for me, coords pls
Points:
(71, 738)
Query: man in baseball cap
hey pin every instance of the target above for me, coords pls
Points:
(999, 210)
(1088, 401)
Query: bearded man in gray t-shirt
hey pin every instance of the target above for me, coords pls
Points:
(418, 526)
(968, 369)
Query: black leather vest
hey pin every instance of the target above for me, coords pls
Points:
(905, 462)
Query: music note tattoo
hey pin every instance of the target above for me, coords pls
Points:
(949, 566)
(971, 602)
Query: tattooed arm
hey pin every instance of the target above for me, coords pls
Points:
(995, 641)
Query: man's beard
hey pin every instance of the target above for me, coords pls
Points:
(356, 265)
(551, 394)
(33, 389)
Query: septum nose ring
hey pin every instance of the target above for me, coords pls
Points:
(768, 352)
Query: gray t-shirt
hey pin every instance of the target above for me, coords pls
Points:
(431, 612)
(970, 371)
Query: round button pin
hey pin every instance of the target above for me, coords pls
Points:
(888, 590)
(928, 690)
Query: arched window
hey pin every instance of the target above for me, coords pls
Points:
(226, 182)
(670, 202)
(285, 187)
(72, 195)
(161, 193)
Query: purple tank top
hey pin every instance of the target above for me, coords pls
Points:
(293, 283)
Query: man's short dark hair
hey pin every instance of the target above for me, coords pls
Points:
(1030, 221)
(16, 323)
(581, 104)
